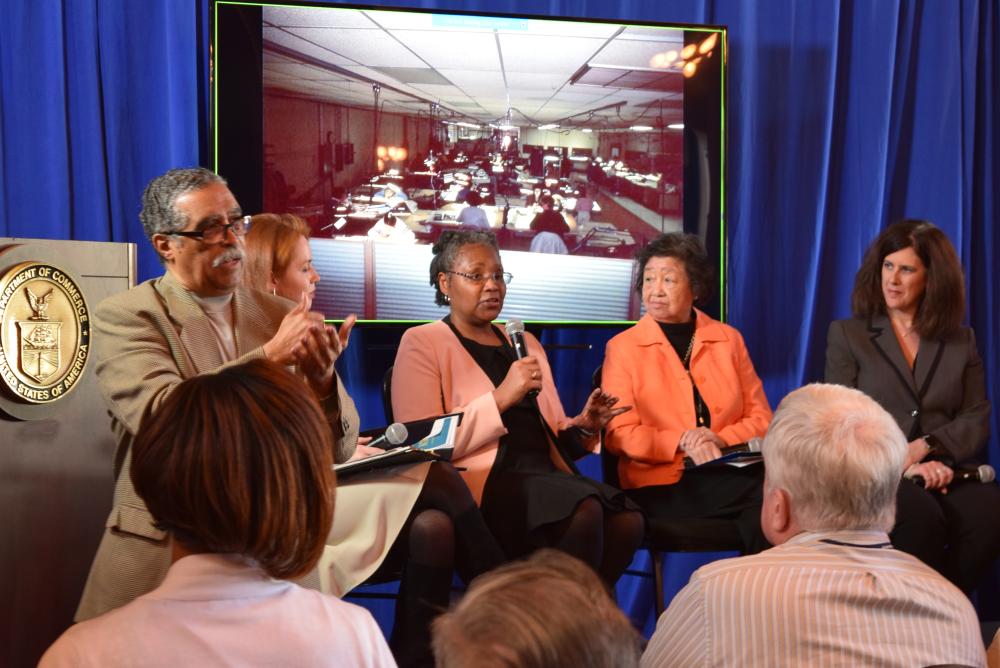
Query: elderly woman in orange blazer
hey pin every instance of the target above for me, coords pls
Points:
(514, 446)
(694, 392)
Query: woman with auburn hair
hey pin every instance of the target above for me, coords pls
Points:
(278, 254)
(419, 519)
(237, 467)
(907, 349)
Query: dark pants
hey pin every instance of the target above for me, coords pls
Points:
(711, 492)
(957, 534)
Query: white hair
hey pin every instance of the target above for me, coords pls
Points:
(839, 457)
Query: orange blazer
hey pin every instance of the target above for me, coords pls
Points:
(434, 374)
(642, 369)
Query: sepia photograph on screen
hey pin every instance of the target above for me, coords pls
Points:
(573, 142)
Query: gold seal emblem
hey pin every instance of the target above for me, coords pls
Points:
(45, 336)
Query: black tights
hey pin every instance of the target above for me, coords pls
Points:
(444, 532)
(603, 539)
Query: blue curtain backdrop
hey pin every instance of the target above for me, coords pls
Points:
(842, 116)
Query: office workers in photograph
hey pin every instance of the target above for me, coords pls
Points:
(419, 519)
(237, 467)
(694, 392)
(195, 319)
(906, 348)
(833, 591)
(515, 440)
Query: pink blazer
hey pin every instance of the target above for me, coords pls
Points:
(642, 369)
(434, 374)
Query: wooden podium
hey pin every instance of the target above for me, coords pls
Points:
(56, 446)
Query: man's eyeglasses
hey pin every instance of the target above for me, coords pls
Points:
(504, 277)
(216, 232)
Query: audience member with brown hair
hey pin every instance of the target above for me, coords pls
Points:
(550, 611)
(237, 467)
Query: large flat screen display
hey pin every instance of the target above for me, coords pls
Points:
(574, 141)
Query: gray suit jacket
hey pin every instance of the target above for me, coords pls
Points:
(944, 395)
(147, 341)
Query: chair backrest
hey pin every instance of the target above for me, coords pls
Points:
(387, 395)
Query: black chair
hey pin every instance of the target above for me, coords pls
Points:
(387, 395)
(671, 535)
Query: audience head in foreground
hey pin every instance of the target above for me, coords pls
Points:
(833, 590)
(240, 462)
(546, 612)
(238, 467)
(832, 458)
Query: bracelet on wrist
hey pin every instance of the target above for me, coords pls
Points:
(586, 432)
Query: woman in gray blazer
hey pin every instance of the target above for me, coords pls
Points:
(907, 349)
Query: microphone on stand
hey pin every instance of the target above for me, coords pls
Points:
(983, 473)
(515, 330)
(395, 434)
(753, 445)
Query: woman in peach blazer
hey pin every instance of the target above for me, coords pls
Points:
(694, 391)
(515, 450)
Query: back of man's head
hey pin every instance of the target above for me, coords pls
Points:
(158, 215)
(838, 455)
(550, 611)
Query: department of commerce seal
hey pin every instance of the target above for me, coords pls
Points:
(44, 332)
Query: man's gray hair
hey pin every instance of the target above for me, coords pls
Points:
(158, 215)
(838, 455)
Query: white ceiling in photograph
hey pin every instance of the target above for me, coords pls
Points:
(575, 73)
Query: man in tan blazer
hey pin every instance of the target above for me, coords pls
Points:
(194, 319)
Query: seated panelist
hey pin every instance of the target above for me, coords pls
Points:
(237, 467)
(694, 392)
(514, 443)
(417, 518)
(193, 320)
(907, 349)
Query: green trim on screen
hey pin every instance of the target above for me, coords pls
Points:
(560, 323)
(723, 232)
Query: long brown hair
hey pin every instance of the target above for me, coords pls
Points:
(240, 461)
(943, 304)
(269, 245)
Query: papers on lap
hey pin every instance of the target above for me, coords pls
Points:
(427, 440)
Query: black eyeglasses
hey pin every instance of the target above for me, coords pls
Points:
(216, 232)
(504, 277)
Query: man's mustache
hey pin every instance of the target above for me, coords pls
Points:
(229, 254)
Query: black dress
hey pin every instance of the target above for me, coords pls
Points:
(525, 491)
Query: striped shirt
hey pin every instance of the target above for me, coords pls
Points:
(842, 598)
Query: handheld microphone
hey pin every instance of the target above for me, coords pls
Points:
(982, 473)
(515, 330)
(395, 434)
(753, 445)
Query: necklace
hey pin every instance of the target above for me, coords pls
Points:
(699, 403)
(687, 355)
